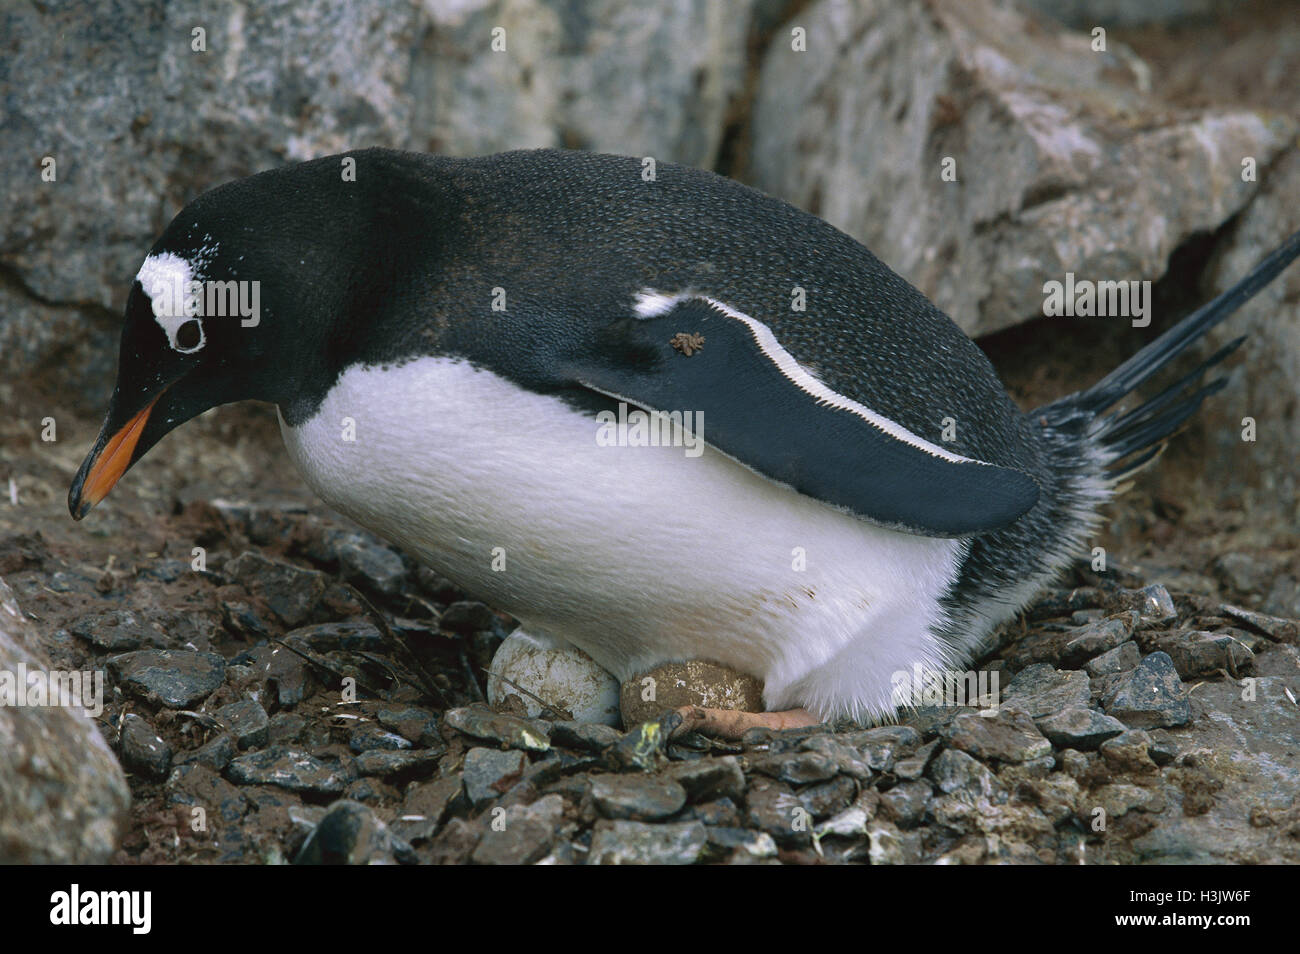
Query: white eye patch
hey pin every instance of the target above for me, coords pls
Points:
(175, 293)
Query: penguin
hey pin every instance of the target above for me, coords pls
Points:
(659, 418)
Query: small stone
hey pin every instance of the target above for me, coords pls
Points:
(722, 812)
(879, 747)
(586, 736)
(417, 726)
(349, 636)
(525, 835)
(1079, 727)
(636, 843)
(849, 823)
(1151, 696)
(143, 751)
(351, 834)
(1129, 752)
(290, 592)
(905, 803)
(642, 748)
(692, 683)
(177, 679)
(369, 565)
(424, 807)
(490, 772)
(1043, 690)
(1097, 638)
(1277, 629)
(709, 778)
(1008, 735)
(1057, 796)
(914, 765)
(1120, 798)
(467, 617)
(507, 730)
(290, 769)
(957, 772)
(755, 844)
(847, 760)
(285, 728)
(215, 754)
(1202, 654)
(637, 797)
(773, 808)
(370, 790)
(247, 722)
(367, 737)
(1243, 573)
(826, 798)
(1163, 749)
(1153, 604)
(387, 763)
(797, 768)
(1122, 658)
(116, 631)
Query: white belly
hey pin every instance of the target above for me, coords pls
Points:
(639, 555)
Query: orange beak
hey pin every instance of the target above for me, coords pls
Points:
(111, 462)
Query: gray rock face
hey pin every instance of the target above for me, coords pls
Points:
(1151, 695)
(158, 122)
(1045, 135)
(63, 794)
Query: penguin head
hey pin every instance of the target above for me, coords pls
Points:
(234, 302)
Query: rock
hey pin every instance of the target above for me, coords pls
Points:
(1129, 752)
(636, 843)
(1046, 135)
(1153, 604)
(556, 671)
(1079, 727)
(1283, 598)
(1202, 654)
(1097, 638)
(366, 737)
(351, 636)
(754, 844)
(369, 564)
(506, 730)
(956, 772)
(914, 765)
(214, 754)
(709, 778)
(847, 760)
(116, 631)
(175, 678)
(390, 764)
(797, 768)
(643, 747)
(1043, 690)
(351, 834)
(1008, 735)
(905, 803)
(693, 683)
(290, 592)
(773, 808)
(1122, 658)
(1151, 695)
(587, 736)
(467, 617)
(417, 726)
(143, 751)
(637, 797)
(291, 769)
(1057, 796)
(490, 772)
(850, 823)
(880, 746)
(1119, 798)
(1278, 630)
(424, 807)
(524, 835)
(823, 799)
(1162, 748)
(247, 722)
(285, 727)
(1243, 573)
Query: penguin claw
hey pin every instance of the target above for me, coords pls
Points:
(733, 723)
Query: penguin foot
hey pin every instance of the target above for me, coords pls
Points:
(733, 723)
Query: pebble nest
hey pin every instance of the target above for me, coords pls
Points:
(321, 699)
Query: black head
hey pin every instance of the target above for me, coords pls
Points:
(239, 299)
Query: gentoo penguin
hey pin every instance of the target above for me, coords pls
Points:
(661, 417)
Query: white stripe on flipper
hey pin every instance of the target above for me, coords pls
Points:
(651, 304)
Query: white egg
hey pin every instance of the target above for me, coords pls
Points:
(556, 671)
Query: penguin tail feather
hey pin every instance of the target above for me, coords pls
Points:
(1117, 435)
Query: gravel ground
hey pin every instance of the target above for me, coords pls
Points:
(320, 698)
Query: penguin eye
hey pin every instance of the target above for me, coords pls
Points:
(189, 336)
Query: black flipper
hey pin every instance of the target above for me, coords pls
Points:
(763, 410)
